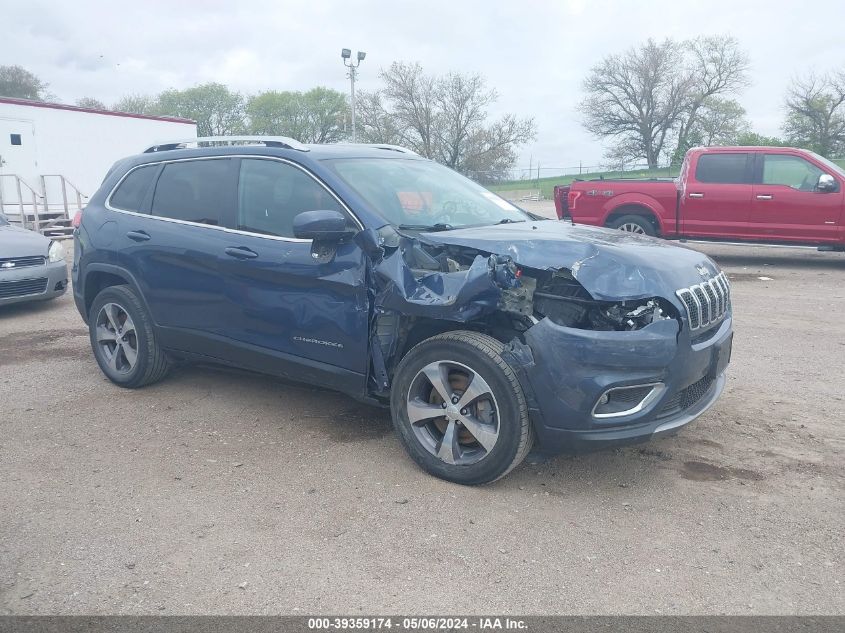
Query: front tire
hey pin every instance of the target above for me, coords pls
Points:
(638, 224)
(459, 409)
(123, 339)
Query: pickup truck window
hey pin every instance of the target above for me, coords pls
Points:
(791, 171)
(731, 169)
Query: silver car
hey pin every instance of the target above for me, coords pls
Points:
(32, 267)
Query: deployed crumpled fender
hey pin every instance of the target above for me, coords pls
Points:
(460, 295)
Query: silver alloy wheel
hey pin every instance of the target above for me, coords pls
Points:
(117, 339)
(453, 412)
(632, 227)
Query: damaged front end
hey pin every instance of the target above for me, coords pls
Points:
(422, 287)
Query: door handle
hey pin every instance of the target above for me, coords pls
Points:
(241, 252)
(696, 195)
(138, 236)
(764, 197)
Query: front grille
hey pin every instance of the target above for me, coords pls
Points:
(686, 398)
(22, 287)
(707, 302)
(13, 263)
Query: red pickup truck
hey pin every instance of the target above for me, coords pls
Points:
(754, 194)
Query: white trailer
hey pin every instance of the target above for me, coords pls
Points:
(53, 156)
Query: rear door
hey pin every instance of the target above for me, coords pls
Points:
(788, 205)
(716, 198)
(175, 246)
(298, 307)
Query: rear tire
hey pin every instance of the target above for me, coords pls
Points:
(639, 224)
(480, 430)
(123, 339)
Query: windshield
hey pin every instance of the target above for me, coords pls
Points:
(829, 164)
(417, 194)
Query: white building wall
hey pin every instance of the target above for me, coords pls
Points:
(80, 145)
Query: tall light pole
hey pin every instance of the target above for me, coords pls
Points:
(346, 54)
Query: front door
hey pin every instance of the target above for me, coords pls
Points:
(18, 158)
(789, 207)
(290, 303)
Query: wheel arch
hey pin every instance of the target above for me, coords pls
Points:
(649, 209)
(98, 277)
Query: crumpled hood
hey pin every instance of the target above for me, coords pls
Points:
(612, 265)
(18, 242)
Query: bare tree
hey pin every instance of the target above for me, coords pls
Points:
(718, 122)
(375, 123)
(716, 66)
(651, 96)
(413, 99)
(443, 118)
(637, 98)
(816, 113)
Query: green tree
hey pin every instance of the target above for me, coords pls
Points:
(816, 113)
(315, 116)
(19, 83)
(217, 110)
(750, 138)
(92, 103)
(137, 104)
(718, 122)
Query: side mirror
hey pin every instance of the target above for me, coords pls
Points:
(826, 183)
(322, 226)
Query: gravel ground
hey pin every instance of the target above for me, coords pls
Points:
(224, 492)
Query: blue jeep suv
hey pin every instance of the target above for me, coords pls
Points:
(372, 271)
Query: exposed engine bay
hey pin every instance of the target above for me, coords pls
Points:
(525, 293)
(422, 286)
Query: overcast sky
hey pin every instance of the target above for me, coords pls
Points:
(534, 53)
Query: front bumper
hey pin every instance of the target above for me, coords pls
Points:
(33, 283)
(564, 371)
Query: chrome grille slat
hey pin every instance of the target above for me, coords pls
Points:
(707, 302)
(7, 263)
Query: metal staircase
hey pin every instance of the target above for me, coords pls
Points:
(49, 211)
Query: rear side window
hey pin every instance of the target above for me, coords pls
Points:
(271, 194)
(729, 169)
(131, 192)
(194, 191)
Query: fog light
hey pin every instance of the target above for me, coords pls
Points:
(621, 401)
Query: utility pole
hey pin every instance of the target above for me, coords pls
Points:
(352, 73)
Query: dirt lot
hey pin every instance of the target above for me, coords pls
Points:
(222, 492)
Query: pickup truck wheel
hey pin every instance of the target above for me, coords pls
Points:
(459, 409)
(123, 339)
(633, 224)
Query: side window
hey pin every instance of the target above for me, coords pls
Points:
(791, 171)
(130, 193)
(194, 191)
(729, 169)
(271, 194)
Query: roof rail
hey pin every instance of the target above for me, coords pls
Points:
(393, 148)
(268, 141)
